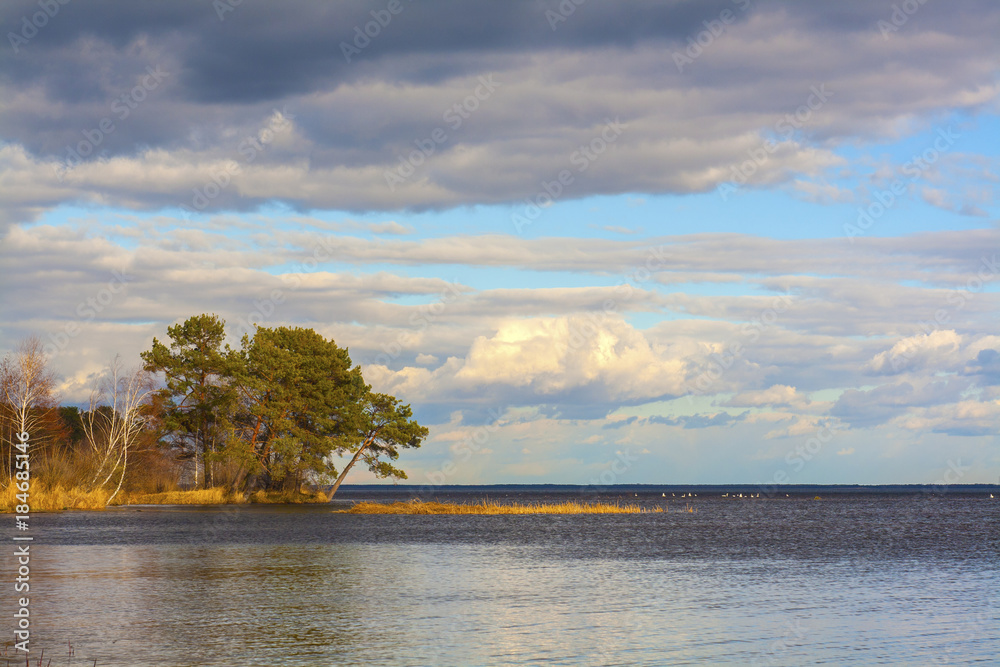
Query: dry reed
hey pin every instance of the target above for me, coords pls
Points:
(55, 498)
(217, 495)
(51, 499)
(288, 497)
(493, 507)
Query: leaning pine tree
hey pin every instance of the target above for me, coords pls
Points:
(302, 402)
(385, 427)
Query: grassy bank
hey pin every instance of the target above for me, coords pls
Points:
(53, 499)
(493, 507)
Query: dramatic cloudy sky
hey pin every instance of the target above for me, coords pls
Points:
(704, 242)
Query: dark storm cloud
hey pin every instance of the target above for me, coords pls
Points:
(231, 71)
(266, 51)
(558, 83)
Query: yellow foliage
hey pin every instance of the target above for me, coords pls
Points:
(493, 507)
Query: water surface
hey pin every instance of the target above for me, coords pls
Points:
(846, 580)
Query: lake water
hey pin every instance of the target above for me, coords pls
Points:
(846, 580)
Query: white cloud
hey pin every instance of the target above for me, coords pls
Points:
(800, 426)
(776, 395)
(942, 350)
(553, 356)
(938, 349)
(556, 359)
(967, 418)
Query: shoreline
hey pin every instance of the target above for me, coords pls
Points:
(58, 499)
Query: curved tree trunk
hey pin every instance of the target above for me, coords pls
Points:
(347, 468)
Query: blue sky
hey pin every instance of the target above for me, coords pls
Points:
(653, 309)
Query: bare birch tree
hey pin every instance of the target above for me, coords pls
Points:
(115, 420)
(27, 390)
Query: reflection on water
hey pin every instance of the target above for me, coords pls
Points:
(855, 581)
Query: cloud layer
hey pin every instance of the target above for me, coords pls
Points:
(176, 106)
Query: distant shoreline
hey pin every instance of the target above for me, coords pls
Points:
(707, 489)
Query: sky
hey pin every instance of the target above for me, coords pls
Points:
(590, 242)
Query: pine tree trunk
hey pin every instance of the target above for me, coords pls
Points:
(347, 468)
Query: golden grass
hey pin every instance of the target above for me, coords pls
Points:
(221, 495)
(293, 497)
(54, 499)
(217, 495)
(493, 507)
(57, 498)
